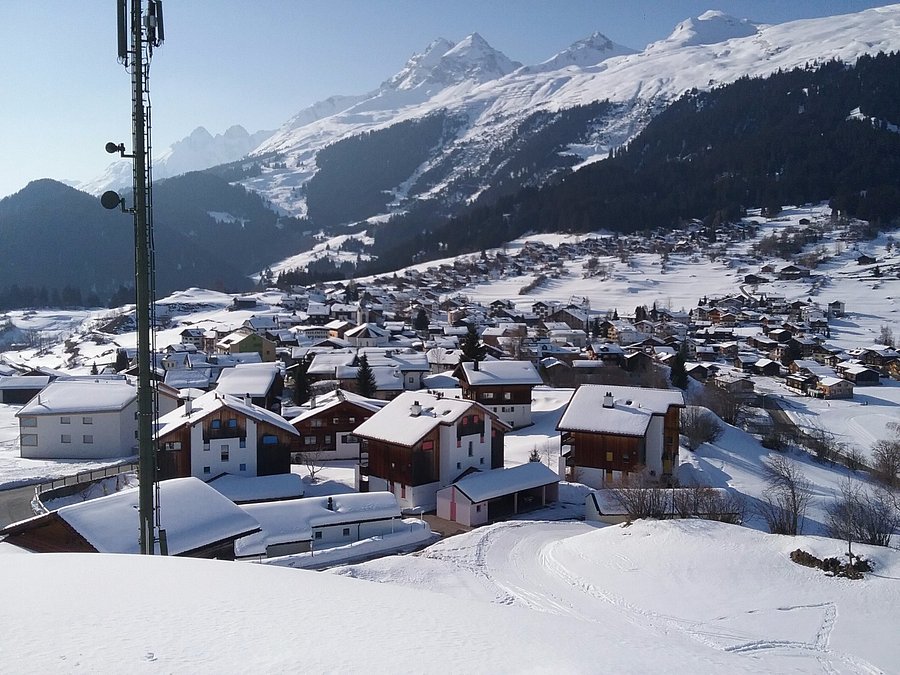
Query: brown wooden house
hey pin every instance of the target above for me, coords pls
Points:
(326, 429)
(609, 432)
(503, 386)
(420, 442)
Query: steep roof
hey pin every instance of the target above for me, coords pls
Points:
(213, 401)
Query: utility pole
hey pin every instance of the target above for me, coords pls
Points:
(146, 32)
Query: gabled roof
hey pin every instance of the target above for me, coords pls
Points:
(396, 422)
(210, 403)
(499, 373)
(631, 412)
(334, 399)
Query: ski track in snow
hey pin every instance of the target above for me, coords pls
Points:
(527, 569)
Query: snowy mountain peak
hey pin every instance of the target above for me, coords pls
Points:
(590, 51)
(709, 28)
(444, 63)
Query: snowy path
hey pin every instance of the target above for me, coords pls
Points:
(557, 568)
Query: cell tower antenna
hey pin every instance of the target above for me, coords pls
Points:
(145, 32)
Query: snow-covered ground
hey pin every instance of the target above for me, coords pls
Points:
(674, 596)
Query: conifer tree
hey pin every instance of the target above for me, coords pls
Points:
(678, 375)
(472, 349)
(365, 378)
(301, 383)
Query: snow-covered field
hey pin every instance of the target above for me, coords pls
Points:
(673, 596)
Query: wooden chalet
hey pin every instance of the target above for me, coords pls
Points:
(327, 427)
(420, 442)
(503, 386)
(609, 432)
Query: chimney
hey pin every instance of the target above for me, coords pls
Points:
(608, 401)
(475, 367)
(330, 505)
(415, 409)
(248, 400)
(188, 406)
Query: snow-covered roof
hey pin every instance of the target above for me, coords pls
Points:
(81, 396)
(294, 519)
(258, 488)
(631, 412)
(24, 382)
(832, 381)
(484, 485)
(500, 372)
(335, 398)
(192, 513)
(396, 423)
(212, 401)
(247, 378)
(326, 362)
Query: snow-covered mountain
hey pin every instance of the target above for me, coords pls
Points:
(494, 108)
(199, 150)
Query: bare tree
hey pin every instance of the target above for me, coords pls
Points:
(640, 498)
(699, 426)
(886, 456)
(865, 516)
(886, 336)
(312, 460)
(823, 443)
(787, 496)
(700, 501)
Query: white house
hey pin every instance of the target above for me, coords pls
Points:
(300, 525)
(83, 418)
(503, 386)
(221, 434)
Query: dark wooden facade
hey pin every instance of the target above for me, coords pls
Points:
(618, 452)
(507, 394)
(331, 422)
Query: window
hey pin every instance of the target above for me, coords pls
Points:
(335, 420)
(135, 433)
(243, 442)
(507, 396)
(87, 420)
(269, 439)
(224, 454)
(29, 439)
(316, 423)
(481, 460)
(65, 438)
(215, 424)
(309, 440)
(350, 438)
(326, 439)
(87, 439)
(459, 465)
(28, 421)
(609, 457)
(346, 532)
(352, 420)
(488, 395)
(478, 508)
(206, 469)
(319, 535)
(471, 451)
(243, 467)
(232, 424)
(65, 420)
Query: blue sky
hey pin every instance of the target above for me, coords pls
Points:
(257, 62)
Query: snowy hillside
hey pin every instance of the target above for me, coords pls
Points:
(473, 82)
(673, 596)
(199, 150)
